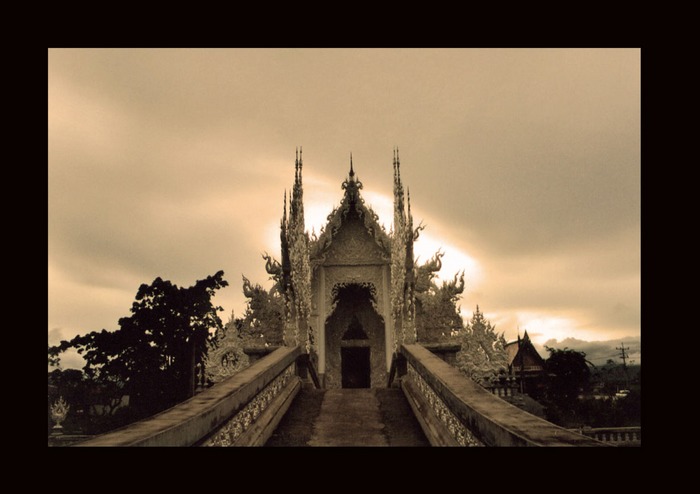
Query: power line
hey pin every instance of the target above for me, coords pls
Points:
(623, 354)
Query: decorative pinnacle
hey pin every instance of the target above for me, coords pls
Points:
(284, 210)
(352, 172)
(296, 166)
(397, 165)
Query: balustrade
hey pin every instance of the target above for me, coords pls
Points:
(242, 410)
(619, 436)
(455, 411)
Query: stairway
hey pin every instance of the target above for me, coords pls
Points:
(349, 418)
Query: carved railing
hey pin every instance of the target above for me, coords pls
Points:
(242, 410)
(502, 389)
(616, 436)
(455, 411)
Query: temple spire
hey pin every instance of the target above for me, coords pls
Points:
(352, 172)
(399, 209)
(297, 199)
(397, 175)
(301, 163)
(284, 211)
(296, 168)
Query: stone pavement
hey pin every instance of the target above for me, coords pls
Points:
(349, 417)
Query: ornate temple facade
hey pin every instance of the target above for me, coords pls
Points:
(350, 291)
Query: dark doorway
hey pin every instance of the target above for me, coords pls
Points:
(354, 367)
(354, 324)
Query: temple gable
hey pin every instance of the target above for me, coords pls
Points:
(353, 245)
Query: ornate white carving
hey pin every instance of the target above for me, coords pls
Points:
(338, 276)
(355, 250)
(460, 433)
(225, 356)
(241, 421)
(368, 219)
(59, 412)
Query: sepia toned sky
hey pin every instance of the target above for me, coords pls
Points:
(524, 165)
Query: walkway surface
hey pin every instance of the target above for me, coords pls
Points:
(349, 417)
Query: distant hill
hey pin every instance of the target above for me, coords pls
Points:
(598, 352)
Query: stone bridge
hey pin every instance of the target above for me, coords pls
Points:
(427, 402)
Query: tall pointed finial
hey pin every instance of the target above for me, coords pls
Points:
(300, 165)
(296, 166)
(284, 211)
(398, 164)
(352, 172)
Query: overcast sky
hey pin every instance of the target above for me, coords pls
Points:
(524, 165)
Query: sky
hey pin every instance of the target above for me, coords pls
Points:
(523, 164)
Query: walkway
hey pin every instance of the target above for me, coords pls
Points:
(349, 417)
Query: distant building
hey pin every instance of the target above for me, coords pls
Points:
(525, 363)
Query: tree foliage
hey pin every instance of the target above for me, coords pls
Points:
(92, 404)
(154, 352)
(569, 375)
(482, 356)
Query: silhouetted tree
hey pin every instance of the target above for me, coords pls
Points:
(154, 352)
(92, 402)
(568, 375)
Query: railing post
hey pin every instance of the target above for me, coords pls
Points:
(306, 368)
(398, 368)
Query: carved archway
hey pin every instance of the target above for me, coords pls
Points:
(355, 338)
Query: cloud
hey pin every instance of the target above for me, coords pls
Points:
(523, 164)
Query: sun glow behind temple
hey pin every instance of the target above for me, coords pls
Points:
(322, 195)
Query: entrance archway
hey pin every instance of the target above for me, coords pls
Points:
(355, 346)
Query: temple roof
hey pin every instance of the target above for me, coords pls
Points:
(522, 346)
(352, 201)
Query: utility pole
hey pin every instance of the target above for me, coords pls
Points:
(623, 356)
